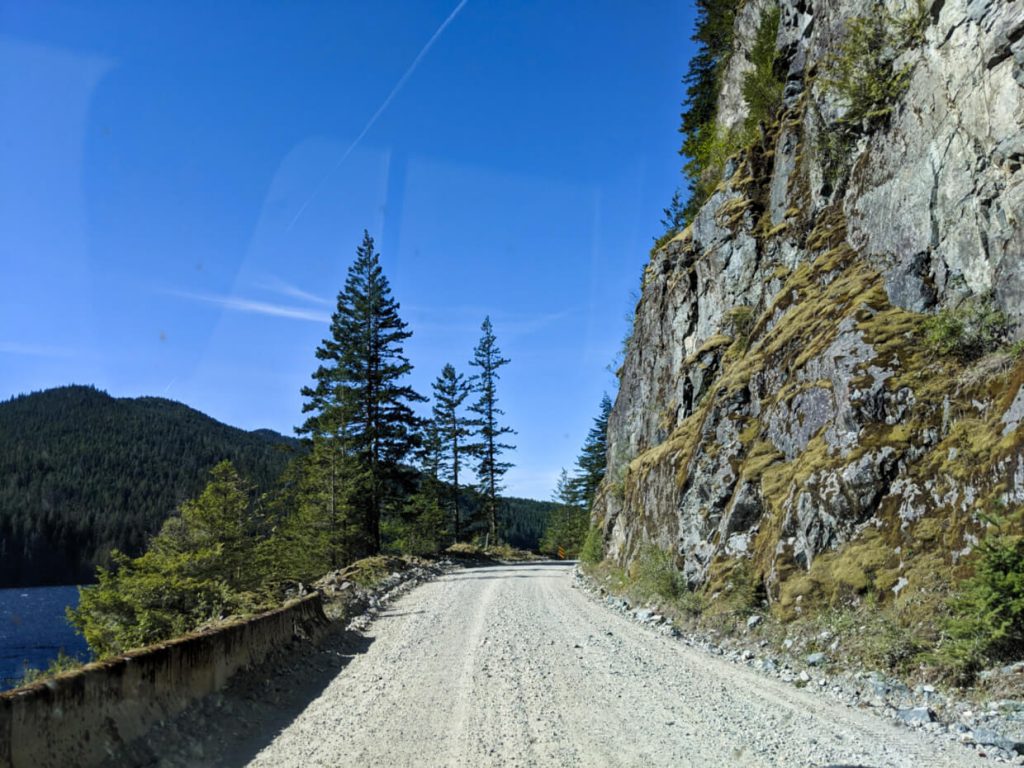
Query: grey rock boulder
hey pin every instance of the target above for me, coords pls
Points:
(993, 738)
(916, 715)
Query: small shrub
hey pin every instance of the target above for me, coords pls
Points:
(740, 592)
(466, 550)
(63, 663)
(833, 150)
(673, 221)
(592, 551)
(969, 331)
(713, 147)
(862, 74)
(618, 471)
(654, 574)
(690, 603)
(370, 571)
(892, 646)
(617, 488)
(763, 86)
(986, 620)
(739, 323)
(662, 240)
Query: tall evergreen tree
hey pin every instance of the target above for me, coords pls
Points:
(359, 398)
(222, 518)
(452, 430)
(489, 466)
(422, 528)
(592, 461)
(430, 454)
(319, 528)
(714, 37)
(567, 523)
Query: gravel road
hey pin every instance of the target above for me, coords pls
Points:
(512, 666)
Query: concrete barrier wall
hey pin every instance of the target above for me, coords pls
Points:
(75, 719)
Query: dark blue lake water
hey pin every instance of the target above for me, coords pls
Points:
(33, 628)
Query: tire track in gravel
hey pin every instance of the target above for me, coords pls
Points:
(511, 666)
(458, 734)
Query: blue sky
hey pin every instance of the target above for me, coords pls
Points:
(183, 186)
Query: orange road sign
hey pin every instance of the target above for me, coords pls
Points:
(561, 554)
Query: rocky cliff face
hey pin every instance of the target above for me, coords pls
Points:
(779, 404)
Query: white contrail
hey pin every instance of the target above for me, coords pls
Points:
(380, 109)
(278, 285)
(239, 304)
(35, 350)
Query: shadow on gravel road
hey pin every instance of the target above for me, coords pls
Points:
(271, 703)
(396, 614)
(230, 728)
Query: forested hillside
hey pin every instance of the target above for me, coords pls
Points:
(82, 473)
(525, 521)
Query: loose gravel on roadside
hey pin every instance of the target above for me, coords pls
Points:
(991, 726)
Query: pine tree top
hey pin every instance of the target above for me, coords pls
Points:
(358, 391)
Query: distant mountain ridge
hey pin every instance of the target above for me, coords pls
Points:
(82, 473)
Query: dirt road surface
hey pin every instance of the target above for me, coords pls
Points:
(512, 666)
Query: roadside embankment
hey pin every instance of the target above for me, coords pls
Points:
(988, 719)
(79, 717)
(98, 714)
(228, 727)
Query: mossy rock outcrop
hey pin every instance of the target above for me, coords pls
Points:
(780, 404)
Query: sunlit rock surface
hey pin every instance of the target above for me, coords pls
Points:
(778, 404)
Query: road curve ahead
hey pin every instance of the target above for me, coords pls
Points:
(512, 666)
